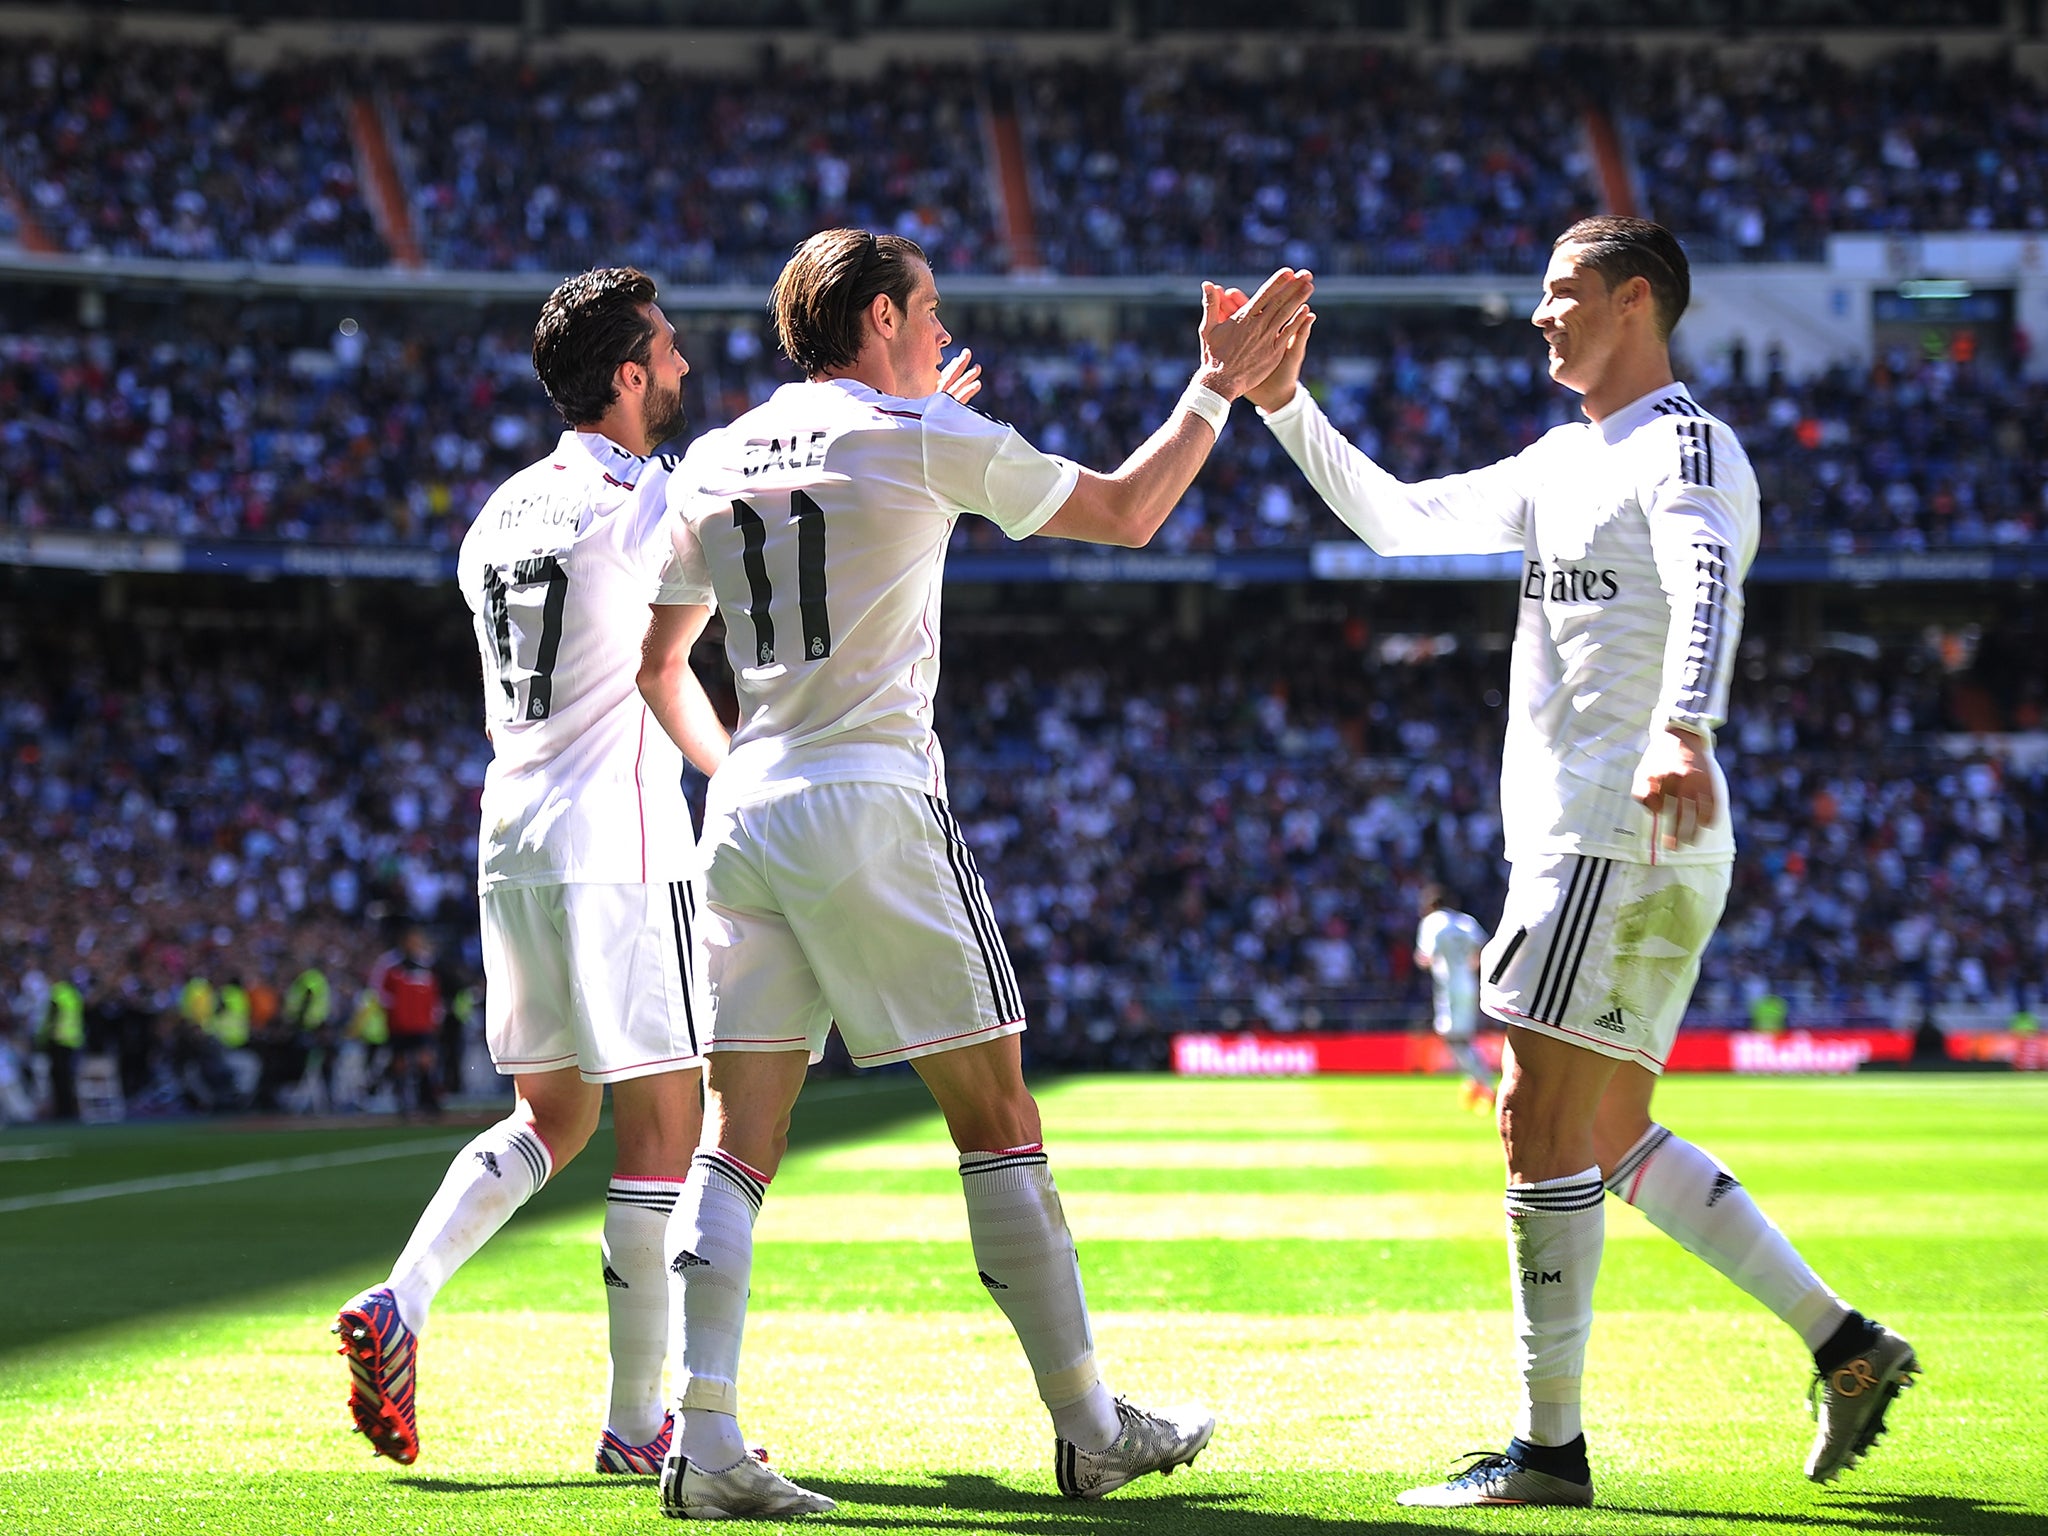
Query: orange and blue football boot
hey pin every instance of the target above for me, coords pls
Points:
(623, 1459)
(381, 1352)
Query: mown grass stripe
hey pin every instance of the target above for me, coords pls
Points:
(234, 1174)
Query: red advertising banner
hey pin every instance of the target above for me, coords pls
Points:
(1795, 1053)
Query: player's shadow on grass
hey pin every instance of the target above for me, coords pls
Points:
(93, 1266)
(997, 1507)
(1889, 1514)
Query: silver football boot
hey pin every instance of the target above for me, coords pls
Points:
(750, 1489)
(1145, 1442)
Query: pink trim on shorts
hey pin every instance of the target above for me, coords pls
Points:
(927, 1047)
(511, 1066)
(1603, 1047)
(645, 1068)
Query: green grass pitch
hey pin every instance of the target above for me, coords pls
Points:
(1320, 1261)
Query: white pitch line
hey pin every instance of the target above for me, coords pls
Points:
(231, 1175)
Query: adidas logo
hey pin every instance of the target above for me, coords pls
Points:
(1723, 1182)
(490, 1162)
(687, 1260)
(991, 1281)
(1612, 1021)
(611, 1278)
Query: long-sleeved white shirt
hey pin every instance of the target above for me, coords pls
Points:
(1636, 533)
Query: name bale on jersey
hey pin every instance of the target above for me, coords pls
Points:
(765, 454)
(1569, 584)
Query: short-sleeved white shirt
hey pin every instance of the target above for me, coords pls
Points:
(559, 569)
(818, 523)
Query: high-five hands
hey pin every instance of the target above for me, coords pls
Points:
(958, 379)
(1246, 340)
(1277, 387)
(1673, 778)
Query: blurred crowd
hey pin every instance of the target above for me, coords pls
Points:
(170, 151)
(1178, 831)
(1345, 160)
(213, 869)
(394, 430)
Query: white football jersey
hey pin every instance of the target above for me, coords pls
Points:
(818, 523)
(1449, 944)
(559, 569)
(1636, 534)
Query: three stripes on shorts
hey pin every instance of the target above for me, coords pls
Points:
(1575, 921)
(995, 959)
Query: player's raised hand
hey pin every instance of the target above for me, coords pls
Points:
(1243, 343)
(959, 380)
(1277, 387)
(1674, 785)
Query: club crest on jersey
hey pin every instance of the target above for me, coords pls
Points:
(1569, 584)
(797, 451)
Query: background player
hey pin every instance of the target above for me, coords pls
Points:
(1447, 945)
(583, 862)
(1637, 526)
(838, 885)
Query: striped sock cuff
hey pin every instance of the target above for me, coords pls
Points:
(1557, 1197)
(1633, 1161)
(657, 1195)
(524, 1140)
(752, 1186)
(1031, 1156)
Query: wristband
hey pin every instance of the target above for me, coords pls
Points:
(1207, 404)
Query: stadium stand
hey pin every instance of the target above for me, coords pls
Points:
(1183, 826)
(1348, 160)
(208, 423)
(169, 151)
(1180, 831)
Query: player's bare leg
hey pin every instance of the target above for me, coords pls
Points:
(710, 1247)
(1684, 1190)
(489, 1179)
(1025, 1255)
(656, 1122)
(1549, 1093)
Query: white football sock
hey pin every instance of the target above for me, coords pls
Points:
(1555, 1232)
(636, 1213)
(710, 1243)
(490, 1179)
(1026, 1257)
(1686, 1192)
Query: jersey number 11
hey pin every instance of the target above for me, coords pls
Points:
(808, 518)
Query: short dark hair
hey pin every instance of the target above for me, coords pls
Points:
(1620, 248)
(826, 288)
(590, 325)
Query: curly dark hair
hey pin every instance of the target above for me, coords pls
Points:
(826, 288)
(589, 326)
(1620, 248)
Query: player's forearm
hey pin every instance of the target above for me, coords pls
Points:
(697, 729)
(680, 706)
(1454, 515)
(1128, 506)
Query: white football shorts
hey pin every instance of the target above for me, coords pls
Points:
(856, 903)
(604, 978)
(1602, 953)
